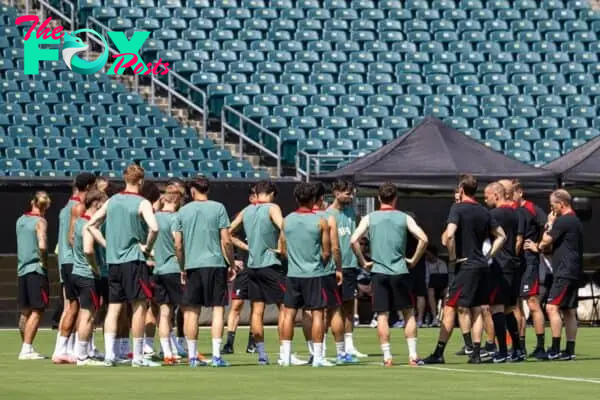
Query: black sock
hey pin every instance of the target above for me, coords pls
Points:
(556, 344)
(439, 349)
(250, 339)
(540, 341)
(230, 338)
(499, 319)
(570, 347)
(468, 340)
(522, 342)
(476, 350)
(513, 330)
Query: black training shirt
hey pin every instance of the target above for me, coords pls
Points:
(567, 237)
(534, 220)
(474, 224)
(508, 219)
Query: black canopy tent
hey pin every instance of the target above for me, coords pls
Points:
(431, 156)
(581, 165)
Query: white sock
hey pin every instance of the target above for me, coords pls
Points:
(412, 348)
(311, 347)
(118, 348)
(138, 349)
(109, 346)
(71, 345)
(165, 344)
(324, 348)
(339, 348)
(125, 347)
(56, 344)
(348, 342)
(280, 351)
(149, 341)
(286, 352)
(173, 342)
(387, 351)
(216, 347)
(260, 347)
(318, 356)
(26, 348)
(93, 342)
(61, 345)
(192, 348)
(82, 352)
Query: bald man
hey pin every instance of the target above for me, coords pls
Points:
(505, 279)
(564, 232)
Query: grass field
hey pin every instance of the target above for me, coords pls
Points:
(245, 380)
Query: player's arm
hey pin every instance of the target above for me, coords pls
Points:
(449, 240)
(276, 216)
(325, 241)
(358, 234)
(227, 247)
(41, 231)
(499, 238)
(552, 230)
(421, 236)
(336, 251)
(147, 213)
(236, 224)
(98, 217)
(88, 250)
(282, 245)
(178, 240)
(76, 212)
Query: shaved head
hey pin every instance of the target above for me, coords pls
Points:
(561, 196)
(494, 193)
(507, 184)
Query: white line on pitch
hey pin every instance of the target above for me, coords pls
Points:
(507, 373)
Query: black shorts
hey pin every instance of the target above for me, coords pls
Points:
(438, 282)
(419, 286)
(66, 271)
(349, 288)
(469, 288)
(392, 292)
(564, 293)
(168, 289)
(102, 289)
(530, 280)
(33, 291)
(332, 292)
(85, 288)
(504, 287)
(266, 284)
(306, 293)
(128, 282)
(240, 286)
(206, 287)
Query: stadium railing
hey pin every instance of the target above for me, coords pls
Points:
(308, 164)
(229, 114)
(155, 83)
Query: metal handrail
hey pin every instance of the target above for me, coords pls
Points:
(315, 159)
(154, 81)
(47, 6)
(241, 133)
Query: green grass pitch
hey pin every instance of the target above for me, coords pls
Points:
(24, 380)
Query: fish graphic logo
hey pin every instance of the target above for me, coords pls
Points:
(74, 45)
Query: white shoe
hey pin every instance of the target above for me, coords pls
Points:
(88, 362)
(297, 361)
(357, 354)
(322, 363)
(121, 361)
(282, 363)
(373, 323)
(31, 356)
(96, 355)
(144, 363)
(109, 363)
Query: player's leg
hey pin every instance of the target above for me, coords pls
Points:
(317, 335)
(433, 306)
(568, 308)
(411, 334)
(404, 299)
(214, 295)
(191, 314)
(72, 309)
(89, 302)
(292, 302)
(421, 305)
(233, 319)
(499, 319)
(335, 320)
(138, 325)
(530, 290)
(122, 347)
(477, 332)
(498, 298)
(349, 291)
(490, 333)
(382, 302)
(164, 330)
(150, 328)
(36, 289)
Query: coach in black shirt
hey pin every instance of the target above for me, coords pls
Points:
(469, 225)
(565, 234)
